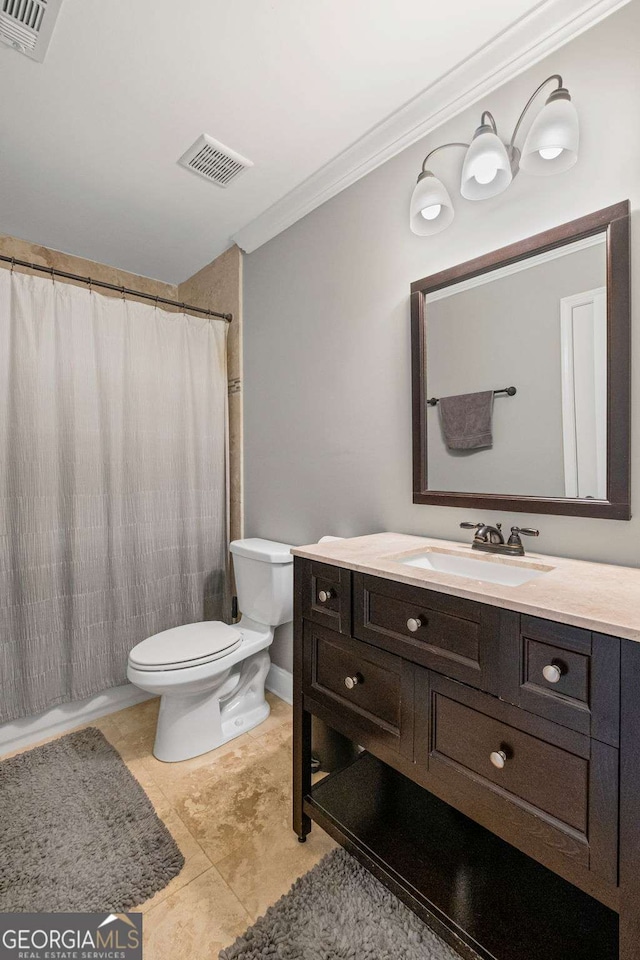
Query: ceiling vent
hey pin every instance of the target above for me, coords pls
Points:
(213, 161)
(27, 25)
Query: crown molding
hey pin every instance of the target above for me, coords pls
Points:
(549, 26)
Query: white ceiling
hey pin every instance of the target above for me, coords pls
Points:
(90, 138)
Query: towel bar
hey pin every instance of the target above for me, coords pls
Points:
(508, 391)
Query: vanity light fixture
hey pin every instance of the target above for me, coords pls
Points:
(489, 166)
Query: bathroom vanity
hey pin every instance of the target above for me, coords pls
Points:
(498, 791)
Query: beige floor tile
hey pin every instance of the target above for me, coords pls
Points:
(179, 780)
(246, 796)
(223, 814)
(281, 713)
(196, 861)
(278, 754)
(132, 719)
(276, 746)
(108, 728)
(196, 922)
(206, 763)
(161, 804)
(263, 869)
(135, 743)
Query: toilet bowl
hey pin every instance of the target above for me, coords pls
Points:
(210, 676)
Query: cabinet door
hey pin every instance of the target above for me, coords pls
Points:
(364, 692)
(563, 673)
(549, 791)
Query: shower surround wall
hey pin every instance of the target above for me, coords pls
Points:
(218, 286)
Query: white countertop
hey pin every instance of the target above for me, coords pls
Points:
(596, 596)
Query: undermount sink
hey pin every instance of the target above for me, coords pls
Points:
(509, 573)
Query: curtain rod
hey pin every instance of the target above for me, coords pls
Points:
(112, 286)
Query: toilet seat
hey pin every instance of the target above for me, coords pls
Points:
(189, 645)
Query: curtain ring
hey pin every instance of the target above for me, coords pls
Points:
(13, 264)
(89, 281)
(53, 279)
(157, 295)
(122, 292)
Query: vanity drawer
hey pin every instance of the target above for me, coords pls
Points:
(326, 595)
(453, 636)
(550, 791)
(563, 673)
(368, 692)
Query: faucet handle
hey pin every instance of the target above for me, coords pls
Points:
(515, 541)
(469, 525)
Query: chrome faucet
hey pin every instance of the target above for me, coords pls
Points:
(491, 539)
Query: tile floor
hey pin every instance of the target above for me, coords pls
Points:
(230, 813)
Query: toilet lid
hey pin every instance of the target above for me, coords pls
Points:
(186, 646)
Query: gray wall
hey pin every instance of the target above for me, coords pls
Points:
(496, 334)
(327, 348)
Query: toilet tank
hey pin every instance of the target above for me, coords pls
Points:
(264, 580)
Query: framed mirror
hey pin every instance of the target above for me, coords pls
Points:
(521, 375)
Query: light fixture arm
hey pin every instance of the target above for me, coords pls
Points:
(558, 79)
(443, 146)
(487, 118)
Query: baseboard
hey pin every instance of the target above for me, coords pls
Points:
(280, 682)
(17, 734)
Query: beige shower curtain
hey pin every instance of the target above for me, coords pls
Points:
(113, 492)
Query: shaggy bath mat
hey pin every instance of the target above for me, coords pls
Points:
(78, 832)
(339, 911)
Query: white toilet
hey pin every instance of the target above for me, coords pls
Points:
(210, 675)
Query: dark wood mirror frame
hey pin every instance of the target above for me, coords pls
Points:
(615, 222)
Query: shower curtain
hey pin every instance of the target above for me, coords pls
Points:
(113, 484)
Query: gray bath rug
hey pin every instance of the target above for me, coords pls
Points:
(339, 911)
(77, 831)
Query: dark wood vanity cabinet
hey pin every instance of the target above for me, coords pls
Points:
(510, 722)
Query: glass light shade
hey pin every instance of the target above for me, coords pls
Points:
(486, 170)
(431, 208)
(552, 142)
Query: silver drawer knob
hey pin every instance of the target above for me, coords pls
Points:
(552, 673)
(414, 623)
(498, 758)
(325, 595)
(351, 682)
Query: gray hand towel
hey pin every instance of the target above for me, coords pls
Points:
(466, 420)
